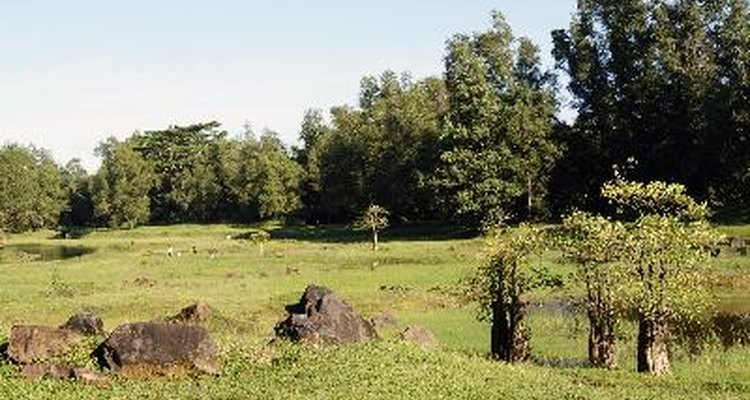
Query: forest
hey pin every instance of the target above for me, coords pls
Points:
(660, 91)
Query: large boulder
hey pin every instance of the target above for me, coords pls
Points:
(321, 316)
(151, 348)
(31, 343)
(85, 324)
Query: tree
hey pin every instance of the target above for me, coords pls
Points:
(497, 144)
(267, 180)
(391, 137)
(664, 247)
(597, 246)
(79, 208)
(660, 82)
(31, 193)
(374, 219)
(121, 186)
(184, 160)
(260, 238)
(501, 285)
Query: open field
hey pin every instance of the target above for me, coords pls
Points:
(126, 276)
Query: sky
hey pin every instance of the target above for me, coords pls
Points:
(74, 72)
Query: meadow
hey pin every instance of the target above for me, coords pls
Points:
(415, 277)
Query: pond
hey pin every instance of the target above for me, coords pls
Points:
(41, 252)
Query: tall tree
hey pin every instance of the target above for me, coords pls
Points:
(31, 194)
(121, 186)
(267, 182)
(658, 83)
(391, 137)
(497, 145)
(79, 208)
(186, 188)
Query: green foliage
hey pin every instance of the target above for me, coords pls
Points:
(391, 137)
(662, 82)
(497, 147)
(373, 219)
(190, 165)
(512, 268)
(635, 199)
(79, 209)
(31, 193)
(665, 256)
(267, 182)
(121, 186)
(598, 247)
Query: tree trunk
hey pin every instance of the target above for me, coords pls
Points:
(602, 341)
(374, 239)
(653, 355)
(529, 199)
(509, 340)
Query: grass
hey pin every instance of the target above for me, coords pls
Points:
(127, 276)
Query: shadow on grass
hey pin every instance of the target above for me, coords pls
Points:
(346, 234)
(41, 252)
(737, 215)
(561, 362)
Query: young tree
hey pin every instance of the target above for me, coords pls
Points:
(373, 219)
(597, 246)
(500, 287)
(664, 248)
(260, 238)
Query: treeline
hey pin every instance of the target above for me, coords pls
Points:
(661, 90)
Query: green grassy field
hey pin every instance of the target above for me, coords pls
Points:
(127, 276)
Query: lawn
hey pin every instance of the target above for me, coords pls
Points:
(127, 276)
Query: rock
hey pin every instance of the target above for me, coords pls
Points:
(321, 316)
(30, 343)
(419, 335)
(193, 314)
(87, 324)
(384, 319)
(62, 371)
(151, 348)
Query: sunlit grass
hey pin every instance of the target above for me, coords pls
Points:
(415, 276)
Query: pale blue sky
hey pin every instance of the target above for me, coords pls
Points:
(74, 72)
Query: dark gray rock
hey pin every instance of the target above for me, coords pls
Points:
(84, 323)
(150, 348)
(31, 343)
(193, 314)
(321, 316)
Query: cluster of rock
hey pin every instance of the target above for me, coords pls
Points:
(180, 344)
(134, 349)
